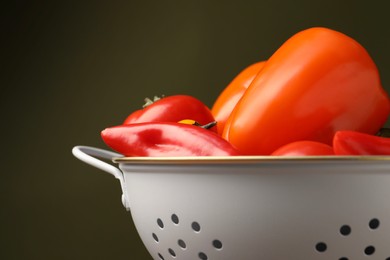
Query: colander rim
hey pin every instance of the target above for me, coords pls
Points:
(245, 159)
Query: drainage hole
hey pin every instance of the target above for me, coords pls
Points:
(369, 250)
(170, 250)
(195, 226)
(160, 223)
(388, 258)
(203, 256)
(343, 258)
(161, 257)
(175, 219)
(182, 244)
(374, 223)
(345, 230)
(217, 244)
(155, 237)
(321, 247)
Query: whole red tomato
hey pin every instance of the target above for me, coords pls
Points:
(304, 148)
(173, 109)
(229, 97)
(318, 82)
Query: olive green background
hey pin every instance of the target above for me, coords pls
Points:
(71, 68)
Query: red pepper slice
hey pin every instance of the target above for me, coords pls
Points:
(166, 139)
(357, 143)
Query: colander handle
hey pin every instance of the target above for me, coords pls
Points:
(88, 155)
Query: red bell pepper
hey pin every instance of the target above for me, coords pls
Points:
(357, 143)
(229, 97)
(166, 139)
(318, 82)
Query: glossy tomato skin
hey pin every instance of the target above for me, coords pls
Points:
(227, 100)
(173, 109)
(319, 81)
(304, 148)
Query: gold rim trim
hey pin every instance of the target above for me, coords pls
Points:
(243, 159)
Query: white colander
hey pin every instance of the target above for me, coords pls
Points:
(270, 208)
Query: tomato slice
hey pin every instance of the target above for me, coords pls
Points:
(304, 148)
(356, 143)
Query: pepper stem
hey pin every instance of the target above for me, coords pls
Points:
(209, 125)
(195, 123)
(384, 132)
(149, 101)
